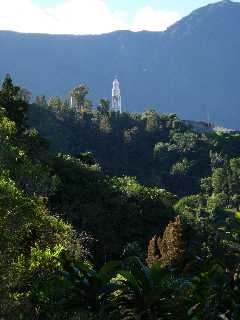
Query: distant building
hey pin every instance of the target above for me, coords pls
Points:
(200, 126)
(116, 97)
(73, 101)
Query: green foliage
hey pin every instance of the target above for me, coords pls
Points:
(158, 149)
(90, 288)
(55, 102)
(148, 146)
(41, 101)
(79, 93)
(124, 209)
(12, 100)
(146, 291)
(104, 106)
(212, 295)
(61, 268)
(30, 239)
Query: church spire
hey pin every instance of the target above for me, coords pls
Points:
(116, 96)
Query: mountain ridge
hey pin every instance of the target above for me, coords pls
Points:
(191, 69)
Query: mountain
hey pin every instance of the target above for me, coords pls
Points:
(192, 69)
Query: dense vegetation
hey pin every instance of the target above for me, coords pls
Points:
(82, 239)
(159, 149)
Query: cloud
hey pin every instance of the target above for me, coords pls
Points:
(78, 17)
(154, 20)
(91, 16)
(69, 17)
(22, 16)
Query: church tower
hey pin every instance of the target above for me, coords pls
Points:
(116, 97)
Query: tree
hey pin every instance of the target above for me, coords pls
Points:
(181, 168)
(11, 98)
(170, 250)
(41, 101)
(234, 165)
(55, 102)
(104, 106)
(105, 125)
(30, 240)
(220, 181)
(79, 93)
(148, 292)
(24, 95)
(152, 120)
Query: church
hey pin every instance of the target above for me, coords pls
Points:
(116, 97)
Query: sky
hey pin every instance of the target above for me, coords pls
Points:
(93, 16)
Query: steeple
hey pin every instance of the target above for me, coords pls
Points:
(116, 96)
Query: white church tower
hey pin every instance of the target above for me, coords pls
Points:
(116, 97)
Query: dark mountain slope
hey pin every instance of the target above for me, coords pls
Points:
(204, 70)
(191, 69)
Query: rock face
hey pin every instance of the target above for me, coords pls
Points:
(192, 69)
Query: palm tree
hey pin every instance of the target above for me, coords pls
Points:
(148, 291)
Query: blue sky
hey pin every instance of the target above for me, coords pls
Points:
(93, 16)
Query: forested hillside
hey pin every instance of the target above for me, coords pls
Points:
(80, 240)
(191, 69)
(159, 149)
